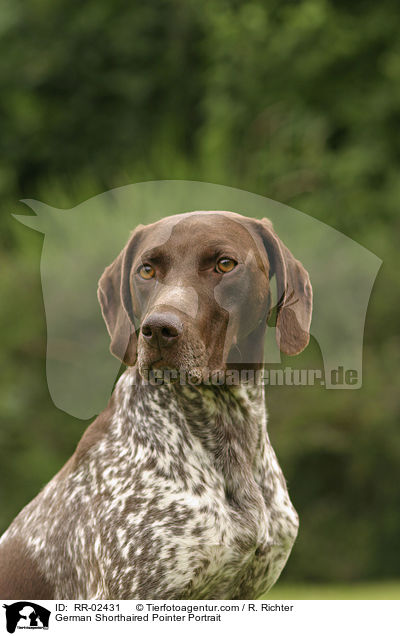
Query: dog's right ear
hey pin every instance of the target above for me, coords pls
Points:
(115, 300)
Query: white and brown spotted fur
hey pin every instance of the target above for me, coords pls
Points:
(175, 490)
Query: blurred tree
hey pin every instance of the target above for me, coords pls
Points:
(298, 101)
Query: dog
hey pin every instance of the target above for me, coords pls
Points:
(174, 491)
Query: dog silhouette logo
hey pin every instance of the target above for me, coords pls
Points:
(26, 615)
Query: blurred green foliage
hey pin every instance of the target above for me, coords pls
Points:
(388, 590)
(295, 100)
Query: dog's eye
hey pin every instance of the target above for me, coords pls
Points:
(226, 265)
(146, 272)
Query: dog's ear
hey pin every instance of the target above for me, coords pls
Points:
(294, 292)
(114, 294)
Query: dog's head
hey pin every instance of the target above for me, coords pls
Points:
(191, 293)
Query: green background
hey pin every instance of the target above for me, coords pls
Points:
(297, 101)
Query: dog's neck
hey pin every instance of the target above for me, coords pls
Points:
(229, 422)
(239, 407)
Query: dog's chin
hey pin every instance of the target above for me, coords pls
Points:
(151, 370)
(161, 371)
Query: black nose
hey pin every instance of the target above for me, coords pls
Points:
(161, 329)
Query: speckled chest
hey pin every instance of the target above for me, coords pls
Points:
(192, 501)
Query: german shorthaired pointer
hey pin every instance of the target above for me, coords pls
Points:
(174, 491)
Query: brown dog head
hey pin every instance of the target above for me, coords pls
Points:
(191, 293)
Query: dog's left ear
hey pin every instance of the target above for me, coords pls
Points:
(294, 292)
(115, 300)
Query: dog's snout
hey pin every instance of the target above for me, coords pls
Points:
(161, 329)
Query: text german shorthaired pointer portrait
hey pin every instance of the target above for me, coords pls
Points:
(174, 491)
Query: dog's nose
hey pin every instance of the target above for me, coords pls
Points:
(161, 329)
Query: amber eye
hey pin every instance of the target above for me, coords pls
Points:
(226, 265)
(146, 272)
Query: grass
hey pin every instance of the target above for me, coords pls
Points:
(358, 591)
